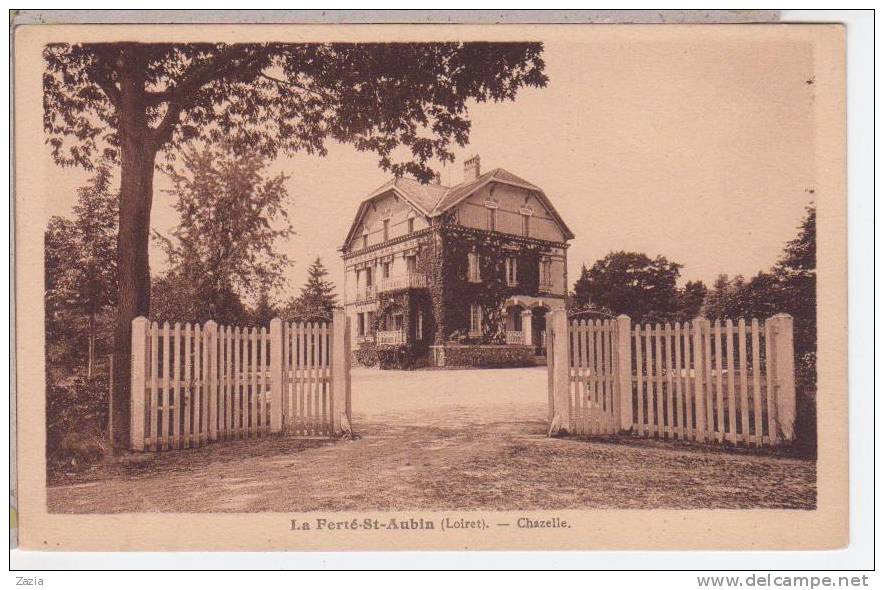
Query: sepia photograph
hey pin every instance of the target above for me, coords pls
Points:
(395, 280)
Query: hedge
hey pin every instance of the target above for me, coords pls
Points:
(482, 355)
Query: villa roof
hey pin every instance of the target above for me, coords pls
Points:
(435, 199)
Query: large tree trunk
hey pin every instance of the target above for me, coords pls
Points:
(137, 157)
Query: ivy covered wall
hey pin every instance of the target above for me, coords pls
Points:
(442, 256)
(453, 293)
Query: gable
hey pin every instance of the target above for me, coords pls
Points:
(511, 204)
(369, 220)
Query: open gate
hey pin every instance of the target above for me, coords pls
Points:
(197, 384)
(706, 381)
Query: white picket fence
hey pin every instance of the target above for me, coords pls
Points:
(195, 384)
(706, 381)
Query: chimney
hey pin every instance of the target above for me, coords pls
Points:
(471, 169)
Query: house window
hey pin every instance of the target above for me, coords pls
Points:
(365, 240)
(386, 229)
(397, 321)
(368, 274)
(492, 218)
(545, 273)
(526, 225)
(419, 329)
(511, 271)
(370, 322)
(360, 324)
(473, 273)
(475, 319)
(411, 225)
(411, 263)
(385, 267)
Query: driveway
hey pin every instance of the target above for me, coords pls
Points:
(456, 439)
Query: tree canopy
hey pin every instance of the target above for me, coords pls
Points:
(282, 97)
(222, 251)
(317, 300)
(631, 283)
(80, 265)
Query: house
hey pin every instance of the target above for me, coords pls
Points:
(480, 262)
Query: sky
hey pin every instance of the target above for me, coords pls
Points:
(702, 152)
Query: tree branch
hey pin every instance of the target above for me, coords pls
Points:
(180, 96)
(293, 85)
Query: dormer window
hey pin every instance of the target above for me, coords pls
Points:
(386, 229)
(526, 213)
(364, 240)
(491, 215)
(411, 225)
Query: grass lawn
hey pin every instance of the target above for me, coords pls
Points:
(436, 440)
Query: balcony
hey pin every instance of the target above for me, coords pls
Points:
(409, 281)
(383, 337)
(515, 337)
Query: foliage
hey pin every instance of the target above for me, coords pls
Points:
(366, 354)
(76, 423)
(789, 287)
(691, 298)
(264, 311)
(80, 270)
(395, 356)
(282, 97)
(486, 356)
(455, 292)
(633, 284)
(222, 251)
(317, 300)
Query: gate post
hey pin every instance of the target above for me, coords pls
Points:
(785, 375)
(276, 368)
(136, 392)
(624, 366)
(561, 420)
(340, 372)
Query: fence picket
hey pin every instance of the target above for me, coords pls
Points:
(719, 384)
(731, 393)
(187, 390)
(610, 377)
(668, 400)
(658, 379)
(689, 382)
(639, 373)
(679, 430)
(198, 381)
(176, 387)
(756, 385)
(770, 353)
(744, 381)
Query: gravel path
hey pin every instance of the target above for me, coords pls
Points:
(442, 440)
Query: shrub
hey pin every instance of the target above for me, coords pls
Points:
(367, 354)
(805, 404)
(76, 423)
(483, 355)
(398, 356)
